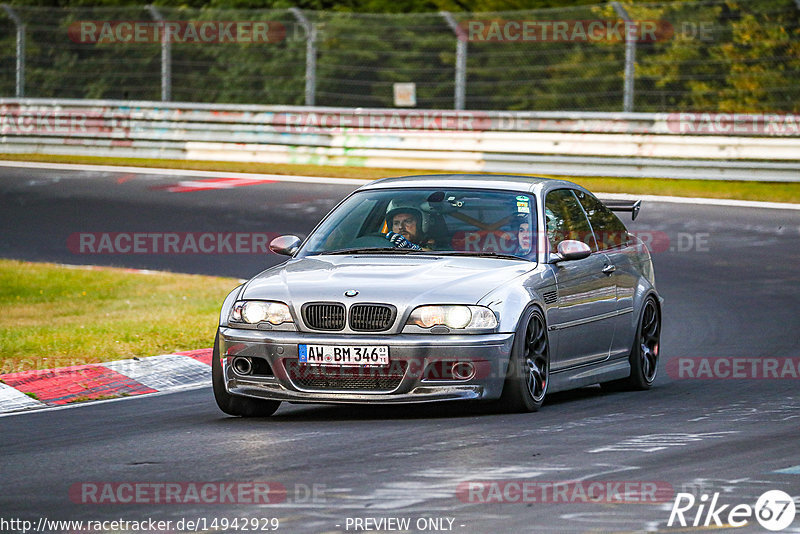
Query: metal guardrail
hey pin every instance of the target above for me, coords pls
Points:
(679, 145)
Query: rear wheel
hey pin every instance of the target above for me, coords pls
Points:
(234, 404)
(644, 353)
(529, 367)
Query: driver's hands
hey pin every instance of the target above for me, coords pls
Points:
(401, 242)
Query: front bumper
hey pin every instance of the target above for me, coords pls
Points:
(412, 356)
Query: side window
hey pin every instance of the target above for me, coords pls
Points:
(565, 219)
(608, 229)
(344, 233)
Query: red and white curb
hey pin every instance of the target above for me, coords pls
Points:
(28, 390)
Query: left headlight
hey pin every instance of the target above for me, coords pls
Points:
(258, 311)
(453, 316)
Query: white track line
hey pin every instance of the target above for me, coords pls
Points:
(184, 172)
(355, 181)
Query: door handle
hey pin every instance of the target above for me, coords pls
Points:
(608, 269)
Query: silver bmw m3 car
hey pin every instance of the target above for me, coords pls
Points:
(441, 288)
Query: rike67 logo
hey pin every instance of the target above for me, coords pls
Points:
(774, 510)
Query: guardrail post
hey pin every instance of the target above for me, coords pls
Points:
(20, 86)
(311, 54)
(630, 56)
(166, 56)
(461, 59)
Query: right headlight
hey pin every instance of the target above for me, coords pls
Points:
(453, 316)
(258, 311)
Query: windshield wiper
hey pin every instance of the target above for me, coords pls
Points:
(476, 253)
(367, 250)
(392, 250)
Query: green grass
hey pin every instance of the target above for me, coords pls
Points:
(740, 190)
(56, 316)
(87, 398)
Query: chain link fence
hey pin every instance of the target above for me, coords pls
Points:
(714, 55)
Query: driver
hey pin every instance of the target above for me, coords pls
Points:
(405, 228)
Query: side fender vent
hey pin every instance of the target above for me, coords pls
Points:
(550, 297)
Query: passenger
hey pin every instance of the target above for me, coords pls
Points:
(524, 238)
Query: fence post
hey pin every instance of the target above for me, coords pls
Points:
(461, 59)
(311, 54)
(630, 56)
(20, 86)
(166, 57)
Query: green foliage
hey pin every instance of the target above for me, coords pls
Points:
(362, 6)
(726, 56)
(714, 55)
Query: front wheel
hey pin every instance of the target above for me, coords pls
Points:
(529, 367)
(234, 404)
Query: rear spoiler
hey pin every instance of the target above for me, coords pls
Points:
(624, 205)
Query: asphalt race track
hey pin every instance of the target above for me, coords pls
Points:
(731, 284)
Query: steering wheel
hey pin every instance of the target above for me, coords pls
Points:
(375, 239)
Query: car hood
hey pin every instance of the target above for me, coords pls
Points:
(400, 280)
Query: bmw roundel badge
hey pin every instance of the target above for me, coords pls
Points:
(350, 293)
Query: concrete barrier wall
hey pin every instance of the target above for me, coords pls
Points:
(677, 145)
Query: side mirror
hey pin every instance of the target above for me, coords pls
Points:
(570, 250)
(286, 245)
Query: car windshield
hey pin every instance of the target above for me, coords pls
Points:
(429, 221)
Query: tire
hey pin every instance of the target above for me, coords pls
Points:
(646, 346)
(644, 352)
(234, 404)
(529, 366)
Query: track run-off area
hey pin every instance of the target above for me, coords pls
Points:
(719, 429)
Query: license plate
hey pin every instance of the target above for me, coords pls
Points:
(343, 354)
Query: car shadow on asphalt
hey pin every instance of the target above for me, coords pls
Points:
(440, 410)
